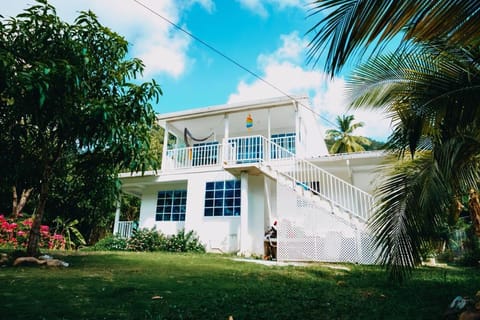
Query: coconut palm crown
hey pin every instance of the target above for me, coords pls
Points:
(344, 140)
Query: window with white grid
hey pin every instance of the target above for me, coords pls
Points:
(171, 205)
(222, 198)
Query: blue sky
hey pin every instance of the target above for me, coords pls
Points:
(267, 37)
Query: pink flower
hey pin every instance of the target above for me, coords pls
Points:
(57, 237)
(27, 222)
(21, 233)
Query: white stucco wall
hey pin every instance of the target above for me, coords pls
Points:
(311, 142)
(219, 234)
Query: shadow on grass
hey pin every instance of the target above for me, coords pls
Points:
(193, 286)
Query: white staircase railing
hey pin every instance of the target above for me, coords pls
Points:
(335, 190)
(301, 173)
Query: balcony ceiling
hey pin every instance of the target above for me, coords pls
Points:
(202, 122)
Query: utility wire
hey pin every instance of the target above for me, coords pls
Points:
(228, 58)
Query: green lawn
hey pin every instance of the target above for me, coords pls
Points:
(191, 286)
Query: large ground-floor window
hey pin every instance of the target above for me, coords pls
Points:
(222, 198)
(171, 205)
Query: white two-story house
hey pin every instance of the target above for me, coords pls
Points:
(236, 168)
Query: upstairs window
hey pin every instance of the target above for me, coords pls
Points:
(285, 141)
(222, 198)
(171, 205)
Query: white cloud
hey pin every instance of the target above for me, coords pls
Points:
(255, 6)
(161, 46)
(259, 7)
(282, 69)
(331, 102)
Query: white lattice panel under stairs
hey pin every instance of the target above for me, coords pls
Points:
(309, 230)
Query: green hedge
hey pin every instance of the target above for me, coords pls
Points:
(152, 240)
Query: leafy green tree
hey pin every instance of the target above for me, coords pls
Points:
(343, 139)
(66, 89)
(430, 87)
(85, 188)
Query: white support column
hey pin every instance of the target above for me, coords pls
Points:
(269, 135)
(269, 124)
(225, 146)
(298, 132)
(117, 216)
(244, 235)
(165, 146)
(226, 126)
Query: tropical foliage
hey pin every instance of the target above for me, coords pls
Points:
(343, 138)
(430, 87)
(67, 92)
(152, 240)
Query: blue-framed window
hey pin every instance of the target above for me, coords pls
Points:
(284, 140)
(222, 198)
(171, 205)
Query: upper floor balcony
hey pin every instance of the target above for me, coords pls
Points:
(241, 133)
(232, 152)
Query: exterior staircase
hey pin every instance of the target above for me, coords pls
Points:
(308, 179)
(321, 217)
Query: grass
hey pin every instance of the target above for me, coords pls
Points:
(193, 286)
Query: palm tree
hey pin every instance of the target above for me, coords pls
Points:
(430, 87)
(343, 140)
(433, 94)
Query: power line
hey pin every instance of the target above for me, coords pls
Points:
(228, 58)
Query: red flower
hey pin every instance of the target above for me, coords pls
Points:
(27, 222)
(57, 237)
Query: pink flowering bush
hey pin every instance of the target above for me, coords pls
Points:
(14, 234)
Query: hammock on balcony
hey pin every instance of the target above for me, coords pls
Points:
(187, 134)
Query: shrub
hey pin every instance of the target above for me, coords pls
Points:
(184, 242)
(111, 243)
(152, 240)
(146, 240)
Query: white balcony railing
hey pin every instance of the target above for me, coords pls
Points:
(125, 229)
(253, 149)
(182, 158)
(258, 149)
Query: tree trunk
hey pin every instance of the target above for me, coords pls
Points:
(34, 235)
(17, 207)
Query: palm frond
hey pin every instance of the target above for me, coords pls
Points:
(410, 206)
(350, 27)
